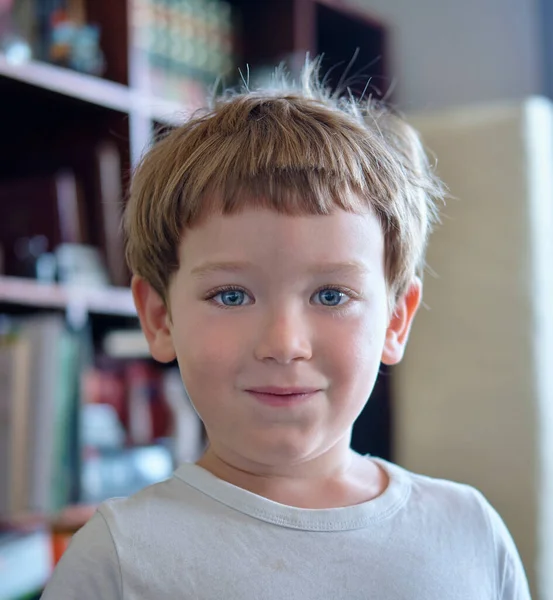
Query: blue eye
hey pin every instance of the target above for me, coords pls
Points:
(232, 297)
(331, 297)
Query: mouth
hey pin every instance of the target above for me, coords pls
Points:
(273, 396)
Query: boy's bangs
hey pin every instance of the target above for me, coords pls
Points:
(295, 193)
(280, 164)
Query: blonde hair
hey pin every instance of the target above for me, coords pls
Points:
(293, 148)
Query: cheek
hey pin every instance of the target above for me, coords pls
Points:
(208, 349)
(354, 351)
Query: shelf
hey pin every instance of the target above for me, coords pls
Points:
(107, 301)
(69, 83)
(94, 90)
(70, 518)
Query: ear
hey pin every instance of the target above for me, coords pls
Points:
(400, 323)
(154, 319)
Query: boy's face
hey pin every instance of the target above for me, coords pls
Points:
(263, 300)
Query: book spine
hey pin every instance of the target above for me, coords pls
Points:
(188, 44)
(44, 11)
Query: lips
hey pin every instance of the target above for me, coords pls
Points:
(283, 391)
(282, 396)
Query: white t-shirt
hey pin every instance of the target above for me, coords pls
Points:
(197, 537)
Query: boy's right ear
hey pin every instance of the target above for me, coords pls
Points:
(154, 319)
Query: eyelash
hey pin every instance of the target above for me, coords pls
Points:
(232, 288)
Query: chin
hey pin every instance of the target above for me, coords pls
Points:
(281, 450)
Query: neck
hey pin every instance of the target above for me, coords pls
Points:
(337, 477)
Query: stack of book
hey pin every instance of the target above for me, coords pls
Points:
(78, 425)
(39, 391)
(182, 46)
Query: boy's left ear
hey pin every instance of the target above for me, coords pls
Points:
(400, 323)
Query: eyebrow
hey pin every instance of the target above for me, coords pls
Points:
(208, 268)
(215, 267)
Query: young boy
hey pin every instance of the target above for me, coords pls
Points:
(277, 243)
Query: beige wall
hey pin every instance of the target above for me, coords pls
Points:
(474, 395)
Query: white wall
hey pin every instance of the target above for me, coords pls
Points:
(453, 52)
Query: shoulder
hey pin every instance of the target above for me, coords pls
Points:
(432, 493)
(92, 565)
(110, 548)
(449, 496)
(463, 512)
(140, 512)
(89, 569)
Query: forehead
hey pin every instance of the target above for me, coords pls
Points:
(262, 236)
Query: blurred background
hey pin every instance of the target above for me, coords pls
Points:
(85, 88)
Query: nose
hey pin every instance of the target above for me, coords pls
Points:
(284, 337)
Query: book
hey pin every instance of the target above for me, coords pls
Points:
(109, 202)
(148, 414)
(183, 46)
(45, 333)
(44, 12)
(66, 405)
(14, 400)
(24, 21)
